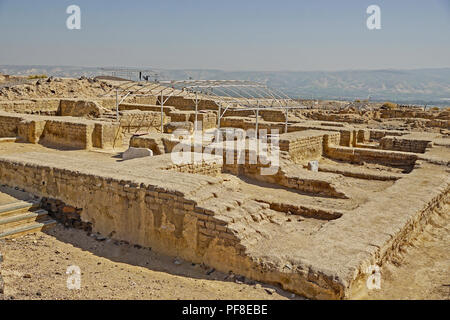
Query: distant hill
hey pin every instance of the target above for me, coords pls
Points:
(419, 86)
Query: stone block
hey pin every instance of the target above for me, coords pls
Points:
(133, 153)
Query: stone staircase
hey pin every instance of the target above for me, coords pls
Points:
(22, 217)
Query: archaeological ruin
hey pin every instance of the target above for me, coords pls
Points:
(338, 188)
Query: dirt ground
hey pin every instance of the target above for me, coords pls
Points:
(35, 267)
(422, 271)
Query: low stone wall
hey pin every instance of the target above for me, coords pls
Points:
(211, 167)
(376, 135)
(407, 113)
(110, 103)
(183, 103)
(335, 117)
(357, 155)
(142, 120)
(306, 145)
(64, 132)
(347, 136)
(273, 115)
(107, 135)
(208, 119)
(80, 108)
(157, 142)
(77, 135)
(9, 125)
(34, 106)
(146, 107)
(165, 219)
(403, 144)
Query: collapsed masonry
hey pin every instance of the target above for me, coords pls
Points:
(313, 233)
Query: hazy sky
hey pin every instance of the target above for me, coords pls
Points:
(228, 34)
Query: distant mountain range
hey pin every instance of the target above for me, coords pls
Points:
(418, 86)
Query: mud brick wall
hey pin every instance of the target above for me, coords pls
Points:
(35, 106)
(80, 108)
(188, 104)
(146, 107)
(325, 116)
(444, 124)
(180, 116)
(357, 155)
(76, 135)
(246, 124)
(302, 145)
(140, 213)
(157, 142)
(363, 135)
(330, 139)
(142, 119)
(347, 138)
(378, 134)
(406, 113)
(208, 119)
(407, 145)
(107, 135)
(235, 112)
(273, 115)
(9, 126)
(110, 103)
(205, 167)
(31, 130)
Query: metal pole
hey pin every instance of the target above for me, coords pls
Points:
(257, 115)
(162, 111)
(286, 123)
(117, 104)
(196, 111)
(219, 116)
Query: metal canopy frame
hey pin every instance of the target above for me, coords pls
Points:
(239, 94)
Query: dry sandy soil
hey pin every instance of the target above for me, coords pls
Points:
(422, 271)
(35, 268)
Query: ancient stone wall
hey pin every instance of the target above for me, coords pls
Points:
(35, 106)
(80, 108)
(273, 115)
(210, 167)
(110, 103)
(64, 132)
(357, 155)
(146, 107)
(142, 120)
(183, 103)
(77, 135)
(31, 130)
(157, 142)
(378, 134)
(9, 125)
(107, 135)
(303, 145)
(145, 214)
(403, 144)
(208, 119)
